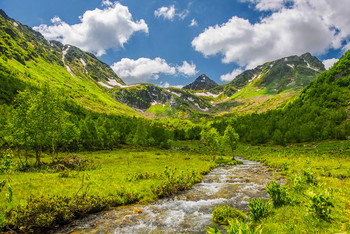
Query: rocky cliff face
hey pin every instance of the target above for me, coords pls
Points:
(143, 96)
(202, 82)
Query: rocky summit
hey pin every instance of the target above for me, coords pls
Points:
(203, 82)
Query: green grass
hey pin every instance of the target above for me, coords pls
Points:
(327, 165)
(160, 110)
(84, 91)
(138, 171)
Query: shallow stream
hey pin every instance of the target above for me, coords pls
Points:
(189, 212)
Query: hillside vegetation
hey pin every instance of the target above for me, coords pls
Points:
(321, 111)
(28, 60)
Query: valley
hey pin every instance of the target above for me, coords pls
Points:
(83, 150)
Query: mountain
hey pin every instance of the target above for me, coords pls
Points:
(267, 86)
(202, 82)
(27, 59)
(160, 101)
(293, 72)
(321, 111)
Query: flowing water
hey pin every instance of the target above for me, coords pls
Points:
(189, 212)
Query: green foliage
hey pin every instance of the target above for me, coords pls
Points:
(230, 138)
(175, 181)
(319, 204)
(211, 138)
(48, 212)
(317, 185)
(6, 162)
(259, 209)
(212, 230)
(277, 193)
(235, 227)
(223, 213)
(240, 227)
(227, 161)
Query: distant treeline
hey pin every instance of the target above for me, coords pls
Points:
(43, 119)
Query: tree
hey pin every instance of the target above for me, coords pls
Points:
(212, 139)
(20, 123)
(140, 136)
(230, 139)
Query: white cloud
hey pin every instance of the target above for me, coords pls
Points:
(167, 85)
(265, 5)
(193, 23)
(165, 12)
(98, 31)
(169, 13)
(142, 69)
(187, 69)
(230, 76)
(304, 26)
(328, 63)
(107, 3)
(145, 69)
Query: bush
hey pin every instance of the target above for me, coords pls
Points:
(239, 227)
(319, 205)
(259, 209)
(227, 161)
(48, 212)
(223, 213)
(235, 227)
(279, 195)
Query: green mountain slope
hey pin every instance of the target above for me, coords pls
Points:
(321, 111)
(28, 59)
(268, 85)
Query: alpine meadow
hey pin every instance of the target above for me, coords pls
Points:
(175, 117)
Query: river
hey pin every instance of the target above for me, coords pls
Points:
(189, 212)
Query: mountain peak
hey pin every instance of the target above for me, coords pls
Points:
(203, 82)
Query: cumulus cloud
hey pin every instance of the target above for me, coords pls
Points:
(193, 23)
(230, 76)
(328, 63)
(142, 69)
(167, 85)
(99, 29)
(145, 69)
(294, 28)
(265, 5)
(169, 13)
(187, 69)
(165, 12)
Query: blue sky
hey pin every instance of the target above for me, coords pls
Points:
(172, 42)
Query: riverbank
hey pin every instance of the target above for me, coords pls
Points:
(317, 184)
(189, 211)
(56, 194)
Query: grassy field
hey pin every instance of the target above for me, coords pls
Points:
(318, 171)
(144, 174)
(317, 185)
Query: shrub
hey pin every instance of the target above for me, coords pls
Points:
(223, 213)
(319, 205)
(239, 227)
(279, 195)
(227, 161)
(310, 178)
(259, 209)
